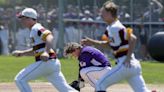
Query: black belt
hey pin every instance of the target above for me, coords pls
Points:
(120, 54)
(52, 56)
(36, 47)
(38, 59)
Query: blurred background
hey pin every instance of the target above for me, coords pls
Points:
(72, 20)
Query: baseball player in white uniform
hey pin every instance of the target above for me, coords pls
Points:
(122, 42)
(47, 65)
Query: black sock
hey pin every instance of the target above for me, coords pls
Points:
(100, 91)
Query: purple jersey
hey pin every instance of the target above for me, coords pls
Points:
(90, 56)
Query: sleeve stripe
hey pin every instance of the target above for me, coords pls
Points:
(45, 34)
(129, 32)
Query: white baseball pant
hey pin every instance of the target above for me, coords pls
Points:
(120, 72)
(51, 70)
(92, 74)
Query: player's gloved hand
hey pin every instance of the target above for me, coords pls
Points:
(17, 53)
(77, 85)
(44, 56)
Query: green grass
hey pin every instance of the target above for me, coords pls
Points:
(153, 72)
(9, 66)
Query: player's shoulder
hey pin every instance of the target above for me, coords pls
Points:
(37, 27)
(117, 26)
(90, 49)
(86, 48)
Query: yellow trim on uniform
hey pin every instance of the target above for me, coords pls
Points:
(120, 50)
(45, 34)
(129, 32)
(38, 54)
(52, 51)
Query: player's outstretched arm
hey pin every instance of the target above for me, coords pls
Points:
(89, 41)
(18, 53)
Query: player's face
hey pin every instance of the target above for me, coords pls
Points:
(76, 53)
(25, 21)
(106, 16)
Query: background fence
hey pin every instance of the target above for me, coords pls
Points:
(71, 20)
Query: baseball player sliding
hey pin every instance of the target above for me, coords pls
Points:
(47, 65)
(92, 63)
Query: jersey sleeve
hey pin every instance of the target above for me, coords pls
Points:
(129, 31)
(43, 33)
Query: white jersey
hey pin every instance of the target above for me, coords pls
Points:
(38, 35)
(118, 40)
(51, 69)
(118, 36)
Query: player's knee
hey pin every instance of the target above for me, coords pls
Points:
(19, 81)
(83, 74)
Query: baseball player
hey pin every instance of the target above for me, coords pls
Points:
(92, 62)
(47, 65)
(122, 42)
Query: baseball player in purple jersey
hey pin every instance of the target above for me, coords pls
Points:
(47, 65)
(122, 42)
(92, 62)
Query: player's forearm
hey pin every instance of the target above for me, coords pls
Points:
(28, 52)
(49, 41)
(96, 42)
(132, 43)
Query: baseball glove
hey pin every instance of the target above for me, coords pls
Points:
(75, 85)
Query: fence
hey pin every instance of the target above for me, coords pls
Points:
(68, 19)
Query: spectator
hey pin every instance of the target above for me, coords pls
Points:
(71, 13)
(23, 39)
(4, 37)
(71, 32)
(87, 16)
(123, 14)
(143, 35)
(153, 11)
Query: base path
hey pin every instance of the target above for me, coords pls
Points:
(47, 87)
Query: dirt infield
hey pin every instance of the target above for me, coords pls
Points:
(47, 87)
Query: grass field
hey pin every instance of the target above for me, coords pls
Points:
(9, 66)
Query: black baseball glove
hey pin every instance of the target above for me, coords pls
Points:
(75, 85)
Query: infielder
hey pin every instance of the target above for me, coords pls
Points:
(92, 62)
(47, 65)
(122, 41)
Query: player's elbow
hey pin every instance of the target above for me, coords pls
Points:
(133, 39)
(49, 38)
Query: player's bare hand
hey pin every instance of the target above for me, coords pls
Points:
(86, 41)
(127, 62)
(17, 53)
(44, 56)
